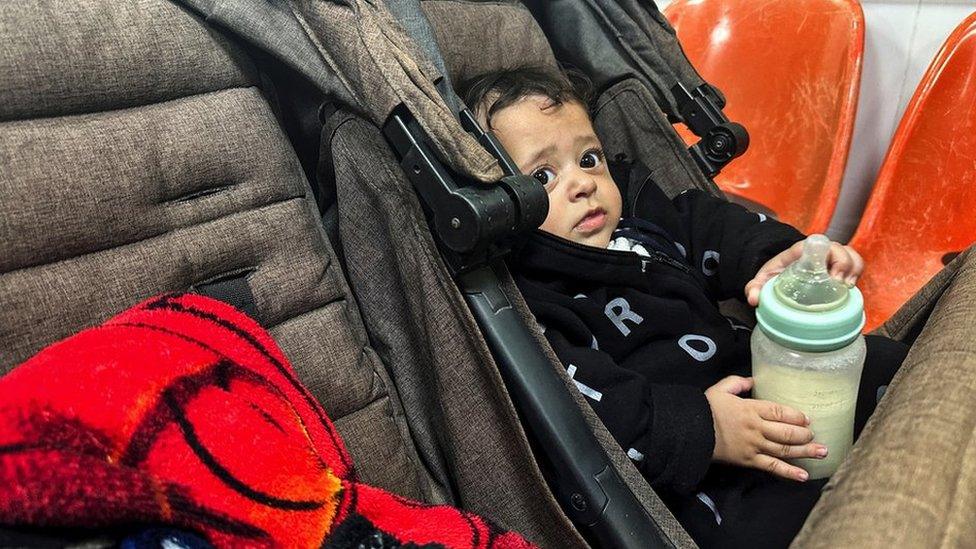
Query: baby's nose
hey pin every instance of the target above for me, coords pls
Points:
(584, 187)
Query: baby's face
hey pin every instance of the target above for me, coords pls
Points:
(556, 145)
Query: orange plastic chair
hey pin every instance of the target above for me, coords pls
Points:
(790, 70)
(922, 210)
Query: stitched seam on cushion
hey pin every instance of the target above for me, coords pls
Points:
(144, 105)
(157, 235)
(372, 395)
(361, 354)
(138, 105)
(305, 312)
(362, 408)
(406, 449)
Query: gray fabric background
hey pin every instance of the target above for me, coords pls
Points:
(65, 57)
(466, 430)
(629, 122)
(137, 158)
(475, 37)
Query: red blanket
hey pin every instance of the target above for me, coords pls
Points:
(182, 411)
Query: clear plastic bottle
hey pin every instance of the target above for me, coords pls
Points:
(808, 351)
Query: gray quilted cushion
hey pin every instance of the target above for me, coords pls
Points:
(137, 156)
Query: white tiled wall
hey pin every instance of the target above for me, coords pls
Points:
(901, 38)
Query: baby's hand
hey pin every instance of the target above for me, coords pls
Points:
(843, 262)
(758, 433)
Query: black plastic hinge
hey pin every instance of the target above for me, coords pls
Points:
(721, 140)
(473, 222)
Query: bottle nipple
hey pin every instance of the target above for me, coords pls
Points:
(807, 284)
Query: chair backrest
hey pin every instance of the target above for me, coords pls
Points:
(139, 155)
(790, 70)
(922, 209)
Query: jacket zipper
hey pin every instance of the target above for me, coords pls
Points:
(664, 258)
(656, 256)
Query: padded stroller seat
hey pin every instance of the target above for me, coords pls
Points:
(149, 159)
(139, 155)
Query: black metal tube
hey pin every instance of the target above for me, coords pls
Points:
(585, 482)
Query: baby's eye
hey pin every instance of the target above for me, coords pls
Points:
(544, 175)
(591, 159)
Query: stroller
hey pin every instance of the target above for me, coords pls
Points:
(382, 280)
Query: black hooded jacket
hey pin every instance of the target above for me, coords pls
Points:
(642, 336)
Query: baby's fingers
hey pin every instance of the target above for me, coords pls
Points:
(840, 262)
(786, 451)
(773, 411)
(858, 267)
(785, 433)
(845, 263)
(753, 287)
(779, 468)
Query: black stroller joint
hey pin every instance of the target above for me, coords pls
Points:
(473, 222)
(721, 140)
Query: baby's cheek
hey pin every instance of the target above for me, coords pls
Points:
(553, 219)
(551, 224)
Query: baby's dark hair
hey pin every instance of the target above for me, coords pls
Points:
(491, 92)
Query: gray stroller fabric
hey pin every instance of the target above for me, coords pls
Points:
(437, 358)
(139, 156)
(465, 427)
(409, 15)
(631, 53)
(273, 27)
(475, 37)
(614, 39)
(375, 65)
(420, 322)
(632, 125)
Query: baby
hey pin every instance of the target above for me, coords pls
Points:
(627, 294)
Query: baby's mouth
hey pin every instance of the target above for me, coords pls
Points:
(595, 219)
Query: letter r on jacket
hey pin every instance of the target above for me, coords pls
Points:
(622, 313)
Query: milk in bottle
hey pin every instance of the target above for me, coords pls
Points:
(808, 351)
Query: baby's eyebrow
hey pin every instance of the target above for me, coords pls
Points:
(540, 154)
(586, 140)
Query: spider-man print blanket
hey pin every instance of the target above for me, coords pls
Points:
(182, 411)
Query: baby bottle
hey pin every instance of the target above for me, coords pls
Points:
(808, 351)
